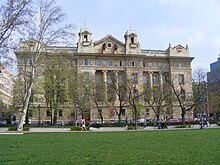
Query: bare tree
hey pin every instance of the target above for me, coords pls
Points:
(119, 89)
(134, 95)
(43, 29)
(12, 17)
(199, 89)
(187, 101)
(159, 101)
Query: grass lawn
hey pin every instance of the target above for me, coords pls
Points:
(183, 147)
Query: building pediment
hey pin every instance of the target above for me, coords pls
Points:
(178, 48)
(109, 38)
(109, 44)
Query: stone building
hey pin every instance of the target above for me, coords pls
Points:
(6, 89)
(213, 82)
(109, 56)
(6, 86)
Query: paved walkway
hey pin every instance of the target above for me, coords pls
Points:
(102, 129)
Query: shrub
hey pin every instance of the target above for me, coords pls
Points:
(189, 126)
(26, 128)
(218, 123)
(75, 128)
(131, 127)
(98, 125)
(12, 128)
(181, 126)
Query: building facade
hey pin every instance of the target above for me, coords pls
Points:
(6, 89)
(109, 56)
(6, 86)
(213, 80)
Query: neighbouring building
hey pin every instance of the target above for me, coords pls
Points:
(6, 86)
(213, 80)
(109, 56)
(6, 90)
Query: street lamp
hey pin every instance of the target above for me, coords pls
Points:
(76, 113)
(38, 115)
(201, 117)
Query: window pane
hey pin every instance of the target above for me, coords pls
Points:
(110, 63)
(98, 62)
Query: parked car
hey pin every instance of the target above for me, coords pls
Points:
(173, 120)
(3, 122)
(141, 120)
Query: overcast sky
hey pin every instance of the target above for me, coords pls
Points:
(157, 23)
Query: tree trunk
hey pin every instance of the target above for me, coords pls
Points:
(119, 118)
(55, 116)
(135, 117)
(119, 115)
(26, 100)
(183, 118)
(100, 114)
(158, 117)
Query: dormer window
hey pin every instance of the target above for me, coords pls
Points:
(132, 40)
(109, 45)
(85, 39)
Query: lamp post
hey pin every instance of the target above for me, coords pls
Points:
(39, 123)
(201, 117)
(76, 113)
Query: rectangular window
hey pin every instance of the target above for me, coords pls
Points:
(155, 79)
(86, 62)
(144, 64)
(99, 62)
(110, 77)
(134, 78)
(110, 63)
(164, 65)
(48, 113)
(133, 63)
(154, 65)
(123, 112)
(181, 79)
(144, 79)
(60, 113)
(121, 63)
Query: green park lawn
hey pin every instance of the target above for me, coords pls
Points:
(183, 147)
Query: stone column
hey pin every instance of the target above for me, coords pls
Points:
(105, 84)
(150, 80)
(161, 81)
(116, 85)
(151, 84)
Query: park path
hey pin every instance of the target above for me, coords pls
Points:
(102, 129)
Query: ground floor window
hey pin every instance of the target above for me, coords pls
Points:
(123, 112)
(60, 113)
(48, 113)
